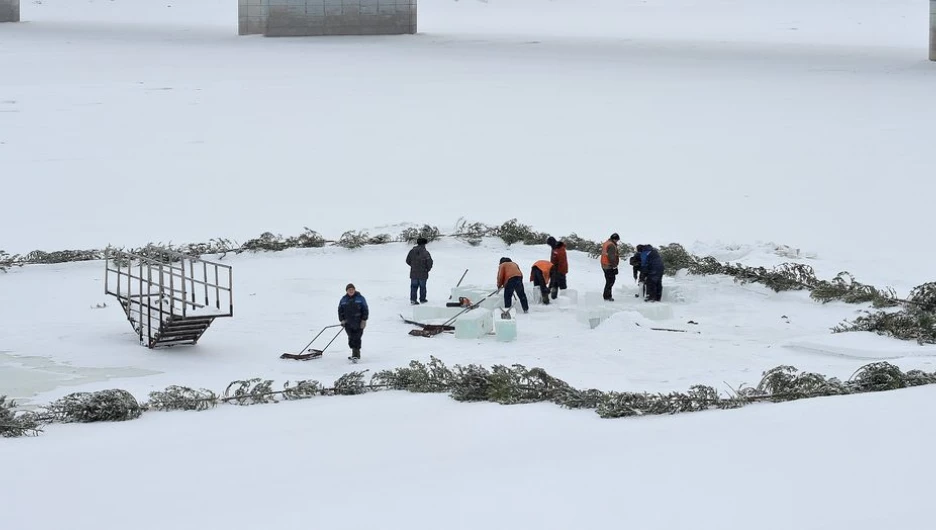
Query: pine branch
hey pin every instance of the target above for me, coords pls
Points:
(86, 407)
(507, 385)
(15, 423)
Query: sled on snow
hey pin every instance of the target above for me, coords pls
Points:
(309, 353)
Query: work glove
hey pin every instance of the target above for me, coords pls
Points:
(343, 322)
(615, 271)
(363, 324)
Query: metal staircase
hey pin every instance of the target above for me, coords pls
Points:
(169, 298)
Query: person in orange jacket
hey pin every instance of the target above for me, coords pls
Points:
(510, 279)
(610, 258)
(538, 275)
(557, 279)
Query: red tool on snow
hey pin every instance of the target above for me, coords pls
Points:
(462, 302)
(310, 353)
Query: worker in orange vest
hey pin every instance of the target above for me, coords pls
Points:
(510, 279)
(557, 278)
(538, 274)
(610, 258)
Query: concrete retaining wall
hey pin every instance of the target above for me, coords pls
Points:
(251, 17)
(932, 53)
(301, 18)
(9, 10)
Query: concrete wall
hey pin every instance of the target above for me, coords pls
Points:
(932, 54)
(251, 17)
(9, 10)
(299, 18)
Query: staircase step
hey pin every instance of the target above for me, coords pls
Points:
(172, 338)
(173, 331)
(165, 330)
(175, 342)
(185, 327)
(181, 322)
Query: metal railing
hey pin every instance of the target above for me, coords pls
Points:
(154, 290)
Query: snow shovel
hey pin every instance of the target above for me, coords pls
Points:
(431, 330)
(310, 353)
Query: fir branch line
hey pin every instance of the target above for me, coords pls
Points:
(5, 427)
(505, 385)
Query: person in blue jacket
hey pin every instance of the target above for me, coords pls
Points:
(353, 313)
(651, 264)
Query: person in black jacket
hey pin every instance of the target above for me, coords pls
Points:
(557, 278)
(639, 276)
(420, 261)
(353, 313)
(651, 264)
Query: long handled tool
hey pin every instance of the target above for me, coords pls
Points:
(309, 353)
(671, 329)
(430, 330)
(457, 285)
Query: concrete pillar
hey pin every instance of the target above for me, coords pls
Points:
(299, 18)
(251, 17)
(932, 30)
(9, 11)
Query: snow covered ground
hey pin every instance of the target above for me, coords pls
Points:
(404, 460)
(731, 127)
(424, 462)
(744, 120)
